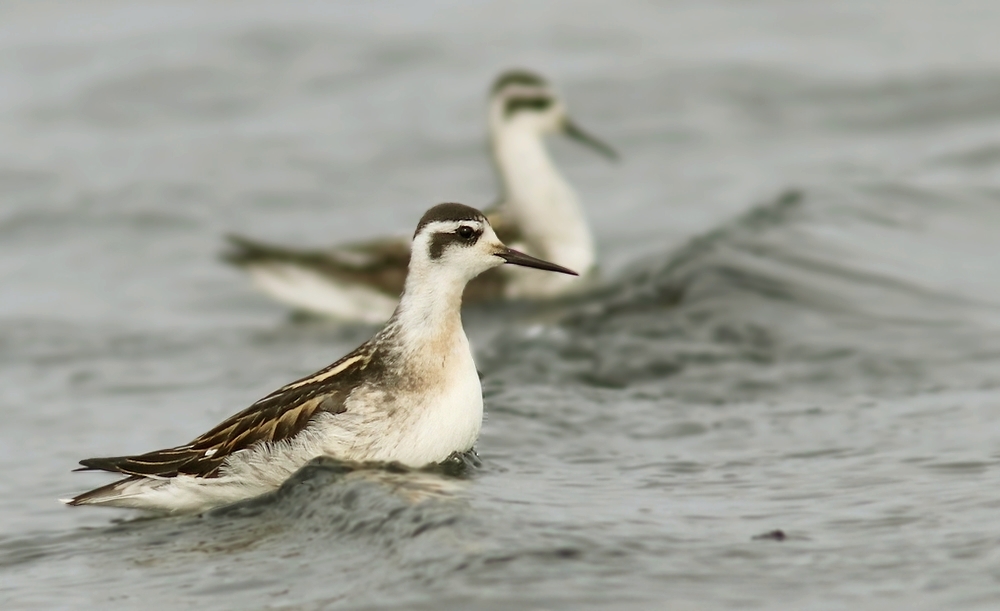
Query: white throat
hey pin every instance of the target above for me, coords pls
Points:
(540, 200)
(430, 310)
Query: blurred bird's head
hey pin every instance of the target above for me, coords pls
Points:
(522, 101)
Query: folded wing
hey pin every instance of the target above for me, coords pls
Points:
(278, 416)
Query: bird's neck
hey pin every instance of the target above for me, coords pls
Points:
(540, 201)
(426, 327)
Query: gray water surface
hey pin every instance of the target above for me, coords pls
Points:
(798, 327)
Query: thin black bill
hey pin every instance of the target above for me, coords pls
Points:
(514, 257)
(572, 130)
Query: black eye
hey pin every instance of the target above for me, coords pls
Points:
(465, 232)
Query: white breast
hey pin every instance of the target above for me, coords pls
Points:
(445, 421)
(422, 420)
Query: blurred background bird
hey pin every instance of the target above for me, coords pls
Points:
(538, 212)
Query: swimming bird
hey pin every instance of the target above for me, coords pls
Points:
(410, 395)
(538, 213)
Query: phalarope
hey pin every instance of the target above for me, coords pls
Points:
(538, 213)
(410, 395)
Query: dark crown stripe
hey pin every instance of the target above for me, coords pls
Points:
(517, 77)
(449, 213)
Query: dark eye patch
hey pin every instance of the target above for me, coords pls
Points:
(463, 236)
(534, 103)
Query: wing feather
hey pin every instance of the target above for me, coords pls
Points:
(278, 416)
(381, 264)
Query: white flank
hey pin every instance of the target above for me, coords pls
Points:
(303, 288)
